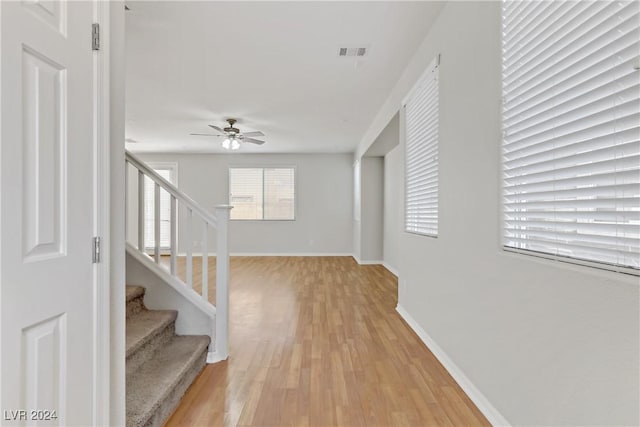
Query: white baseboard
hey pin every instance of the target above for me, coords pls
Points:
(318, 254)
(257, 254)
(483, 404)
(363, 262)
(391, 269)
(212, 357)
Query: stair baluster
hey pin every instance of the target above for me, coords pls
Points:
(219, 222)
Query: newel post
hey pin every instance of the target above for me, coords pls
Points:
(222, 281)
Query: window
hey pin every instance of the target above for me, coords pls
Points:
(571, 131)
(168, 172)
(262, 193)
(421, 168)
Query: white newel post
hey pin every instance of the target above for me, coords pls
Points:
(222, 281)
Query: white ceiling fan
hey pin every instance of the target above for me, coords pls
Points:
(233, 137)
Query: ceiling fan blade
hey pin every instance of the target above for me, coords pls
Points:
(204, 134)
(252, 134)
(216, 128)
(253, 141)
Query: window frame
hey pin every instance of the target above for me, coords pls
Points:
(539, 256)
(295, 191)
(173, 168)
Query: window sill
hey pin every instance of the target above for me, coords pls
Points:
(579, 264)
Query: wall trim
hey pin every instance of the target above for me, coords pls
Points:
(265, 254)
(391, 269)
(479, 399)
(214, 357)
(307, 254)
(365, 262)
(103, 351)
(172, 281)
(361, 262)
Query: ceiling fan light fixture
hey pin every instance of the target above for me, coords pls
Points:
(233, 137)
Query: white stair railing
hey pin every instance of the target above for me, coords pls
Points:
(179, 200)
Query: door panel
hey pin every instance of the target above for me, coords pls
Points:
(44, 144)
(54, 13)
(43, 365)
(47, 279)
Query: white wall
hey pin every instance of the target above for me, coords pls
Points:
(393, 184)
(371, 216)
(547, 343)
(324, 217)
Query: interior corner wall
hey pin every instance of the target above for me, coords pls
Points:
(357, 231)
(393, 223)
(546, 343)
(324, 216)
(371, 215)
(357, 208)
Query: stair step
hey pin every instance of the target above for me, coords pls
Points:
(146, 332)
(155, 389)
(134, 291)
(135, 303)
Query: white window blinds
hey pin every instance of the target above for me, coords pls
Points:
(421, 168)
(262, 193)
(245, 193)
(165, 210)
(571, 122)
(279, 193)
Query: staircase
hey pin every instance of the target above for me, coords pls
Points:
(160, 364)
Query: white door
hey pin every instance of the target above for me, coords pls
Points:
(47, 212)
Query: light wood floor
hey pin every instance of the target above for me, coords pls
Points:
(317, 342)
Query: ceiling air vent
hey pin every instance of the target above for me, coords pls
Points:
(352, 51)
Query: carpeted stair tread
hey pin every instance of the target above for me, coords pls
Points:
(145, 326)
(135, 300)
(134, 292)
(155, 388)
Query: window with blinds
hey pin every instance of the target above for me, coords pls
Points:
(571, 130)
(168, 173)
(262, 193)
(421, 167)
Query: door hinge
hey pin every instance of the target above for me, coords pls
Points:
(96, 250)
(95, 36)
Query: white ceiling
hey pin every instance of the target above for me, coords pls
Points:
(273, 65)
